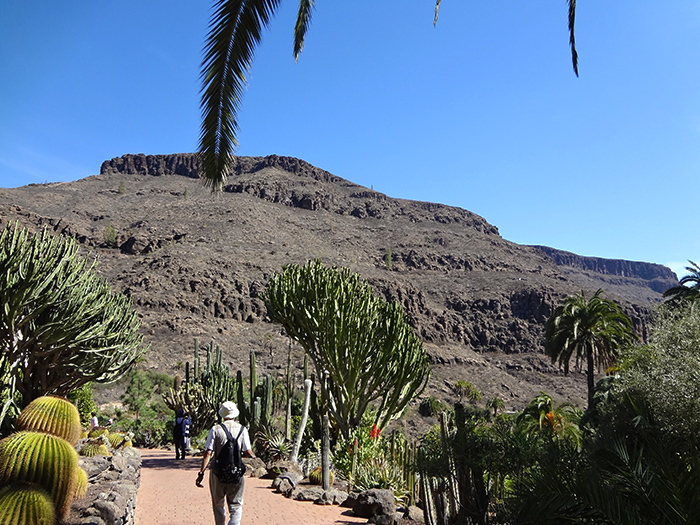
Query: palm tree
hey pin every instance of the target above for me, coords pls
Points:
(683, 292)
(593, 330)
(235, 30)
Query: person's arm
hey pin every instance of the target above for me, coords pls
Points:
(205, 462)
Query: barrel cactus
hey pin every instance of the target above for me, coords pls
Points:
(118, 439)
(26, 504)
(97, 432)
(43, 459)
(316, 476)
(51, 414)
(81, 484)
(94, 447)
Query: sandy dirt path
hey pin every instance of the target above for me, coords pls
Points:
(168, 496)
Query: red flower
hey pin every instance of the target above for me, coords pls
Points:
(374, 434)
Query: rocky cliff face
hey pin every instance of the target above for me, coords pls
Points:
(196, 264)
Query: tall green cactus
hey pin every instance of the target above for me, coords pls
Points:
(266, 407)
(244, 417)
(253, 378)
(44, 459)
(26, 504)
(196, 360)
(51, 414)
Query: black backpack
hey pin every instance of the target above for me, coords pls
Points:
(181, 429)
(228, 463)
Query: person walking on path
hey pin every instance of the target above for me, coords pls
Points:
(225, 493)
(181, 430)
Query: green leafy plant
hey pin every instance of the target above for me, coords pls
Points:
(431, 406)
(82, 398)
(110, 236)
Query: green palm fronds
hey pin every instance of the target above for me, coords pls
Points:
(235, 30)
(55, 415)
(587, 330)
(688, 289)
(26, 504)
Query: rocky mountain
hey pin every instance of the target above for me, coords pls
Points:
(195, 264)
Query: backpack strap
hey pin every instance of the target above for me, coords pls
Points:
(228, 434)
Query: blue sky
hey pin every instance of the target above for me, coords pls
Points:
(482, 112)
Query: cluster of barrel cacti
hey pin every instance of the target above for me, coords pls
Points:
(39, 469)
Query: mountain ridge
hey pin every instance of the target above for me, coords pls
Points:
(195, 265)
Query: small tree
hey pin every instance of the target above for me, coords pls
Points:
(362, 348)
(592, 329)
(61, 325)
(138, 393)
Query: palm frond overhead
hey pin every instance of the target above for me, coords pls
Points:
(572, 36)
(689, 287)
(235, 29)
(306, 8)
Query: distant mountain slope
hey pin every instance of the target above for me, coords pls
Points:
(195, 264)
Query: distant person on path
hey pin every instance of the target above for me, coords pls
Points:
(225, 493)
(181, 430)
(93, 422)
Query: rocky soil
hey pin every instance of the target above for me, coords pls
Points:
(195, 265)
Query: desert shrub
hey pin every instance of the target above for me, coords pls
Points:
(431, 406)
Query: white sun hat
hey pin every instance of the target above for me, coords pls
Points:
(229, 410)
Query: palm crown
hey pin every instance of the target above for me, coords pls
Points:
(593, 330)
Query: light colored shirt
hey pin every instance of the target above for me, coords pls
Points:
(216, 439)
(94, 423)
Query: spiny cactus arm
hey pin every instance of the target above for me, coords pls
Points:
(61, 325)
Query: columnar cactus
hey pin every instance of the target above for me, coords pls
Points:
(25, 504)
(44, 459)
(54, 415)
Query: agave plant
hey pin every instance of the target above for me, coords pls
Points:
(51, 414)
(271, 444)
(26, 504)
(44, 459)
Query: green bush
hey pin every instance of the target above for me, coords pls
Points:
(431, 406)
(83, 399)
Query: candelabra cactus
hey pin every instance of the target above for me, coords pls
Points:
(26, 504)
(44, 459)
(54, 415)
